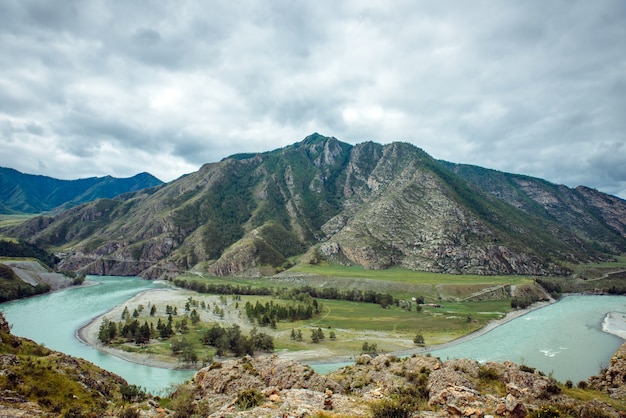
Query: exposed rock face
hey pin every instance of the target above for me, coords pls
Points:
(613, 379)
(426, 385)
(368, 204)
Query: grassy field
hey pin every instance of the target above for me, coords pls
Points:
(399, 275)
(12, 220)
(352, 324)
(400, 283)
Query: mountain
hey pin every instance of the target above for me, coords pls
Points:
(596, 217)
(372, 205)
(27, 193)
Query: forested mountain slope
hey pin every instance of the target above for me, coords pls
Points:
(368, 204)
(27, 193)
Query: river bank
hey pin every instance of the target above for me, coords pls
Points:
(88, 333)
(615, 323)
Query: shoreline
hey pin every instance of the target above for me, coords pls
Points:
(615, 323)
(88, 335)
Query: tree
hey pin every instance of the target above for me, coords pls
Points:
(153, 310)
(107, 331)
(189, 355)
(317, 335)
(419, 339)
(194, 316)
(371, 349)
(332, 335)
(125, 313)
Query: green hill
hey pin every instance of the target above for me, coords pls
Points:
(26, 193)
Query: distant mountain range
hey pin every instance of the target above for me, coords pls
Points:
(371, 205)
(28, 194)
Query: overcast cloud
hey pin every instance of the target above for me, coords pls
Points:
(90, 88)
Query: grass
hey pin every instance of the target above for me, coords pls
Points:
(57, 383)
(391, 329)
(587, 395)
(401, 283)
(400, 275)
(14, 220)
(353, 323)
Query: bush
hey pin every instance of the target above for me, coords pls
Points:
(249, 398)
(132, 393)
(488, 373)
(390, 408)
(545, 412)
(129, 412)
(182, 402)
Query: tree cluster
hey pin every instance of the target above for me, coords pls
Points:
(23, 248)
(231, 339)
(317, 335)
(355, 295)
(270, 313)
(128, 330)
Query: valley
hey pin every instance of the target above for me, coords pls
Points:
(438, 308)
(324, 252)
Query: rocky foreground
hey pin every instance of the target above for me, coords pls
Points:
(387, 386)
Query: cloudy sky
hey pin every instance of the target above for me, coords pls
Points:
(90, 88)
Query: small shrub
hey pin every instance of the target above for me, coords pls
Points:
(390, 408)
(129, 412)
(582, 384)
(74, 412)
(527, 369)
(215, 365)
(132, 393)
(249, 398)
(552, 389)
(545, 412)
(488, 373)
(182, 402)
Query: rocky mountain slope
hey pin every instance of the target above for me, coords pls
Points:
(27, 193)
(368, 204)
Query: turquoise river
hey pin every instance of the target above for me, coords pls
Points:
(564, 338)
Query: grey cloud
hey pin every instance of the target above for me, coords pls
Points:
(532, 87)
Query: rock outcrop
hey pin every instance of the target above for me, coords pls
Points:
(417, 386)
